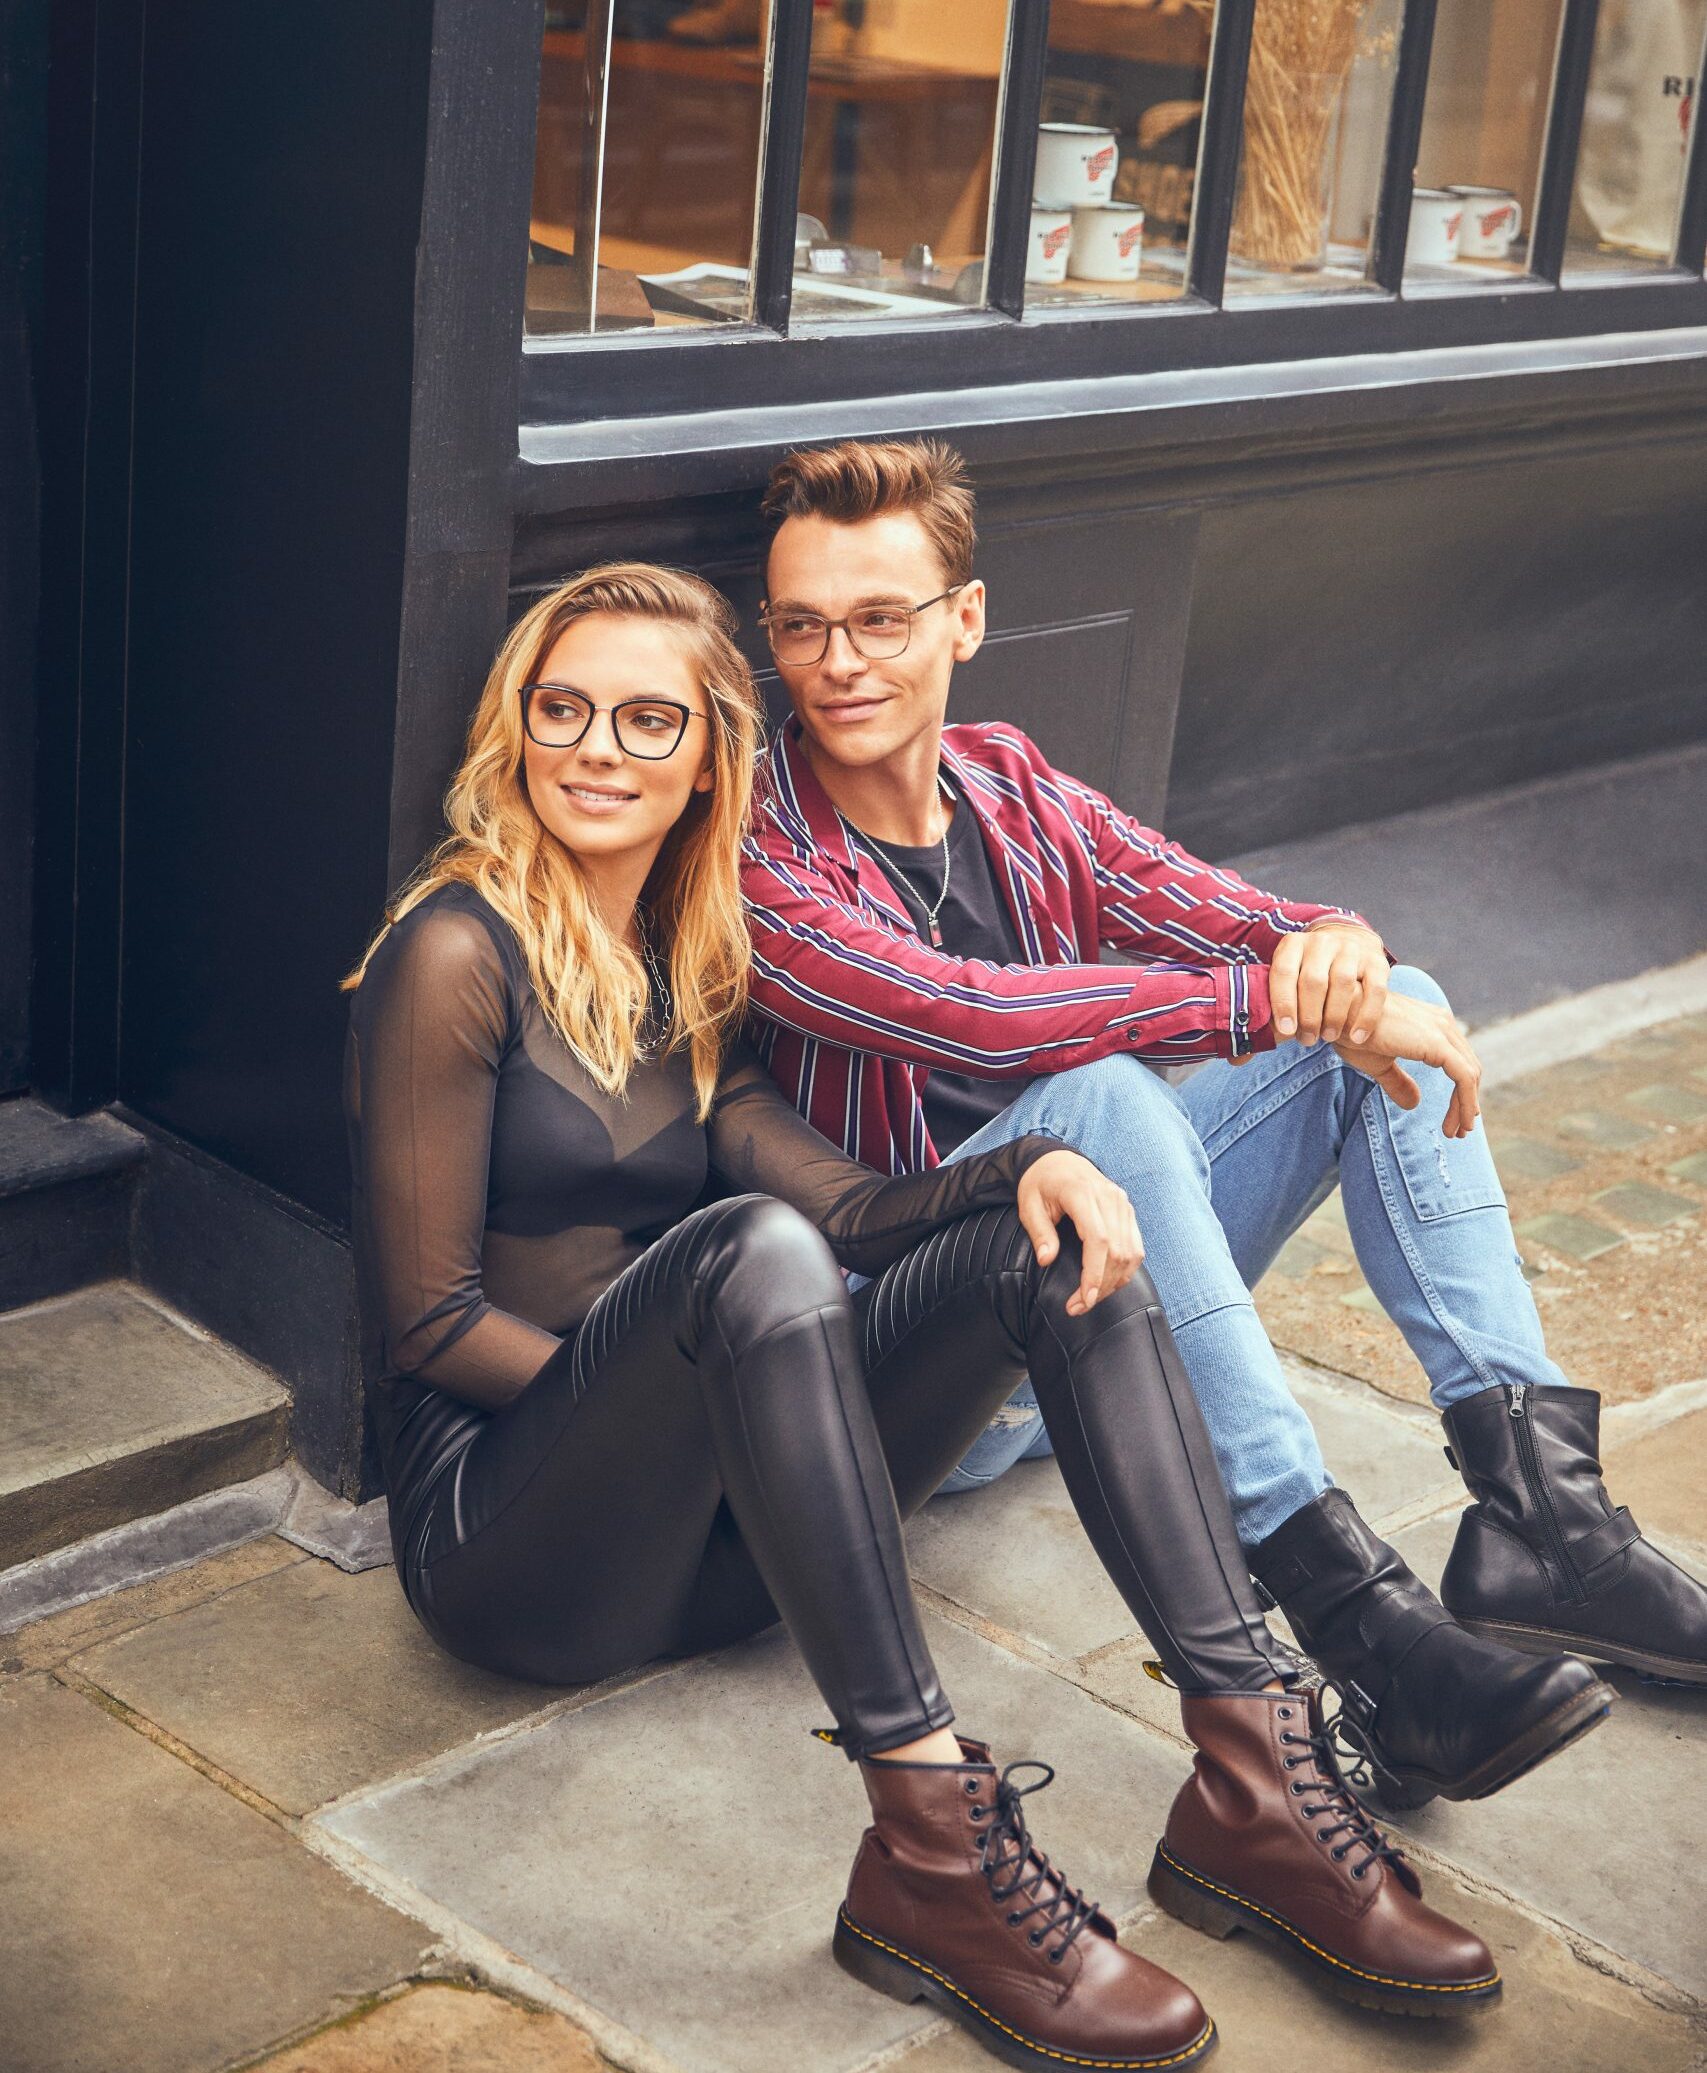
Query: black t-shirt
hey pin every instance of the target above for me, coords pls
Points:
(974, 921)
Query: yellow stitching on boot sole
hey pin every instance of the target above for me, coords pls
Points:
(1384, 1979)
(1066, 2057)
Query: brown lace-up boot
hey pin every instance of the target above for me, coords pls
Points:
(1267, 1836)
(949, 1902)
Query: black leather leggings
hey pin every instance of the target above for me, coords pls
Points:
(731, 1436)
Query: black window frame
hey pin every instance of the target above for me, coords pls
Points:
(747, 366)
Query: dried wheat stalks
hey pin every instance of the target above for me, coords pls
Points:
(1301, 52)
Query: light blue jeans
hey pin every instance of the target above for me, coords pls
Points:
(1221, 1171)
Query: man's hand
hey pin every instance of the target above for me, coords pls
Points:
(1066, 1184)
(1328, 982)
(1419, 1030)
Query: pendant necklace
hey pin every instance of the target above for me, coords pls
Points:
(931, 911)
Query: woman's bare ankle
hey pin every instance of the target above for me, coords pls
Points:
(939, 1746)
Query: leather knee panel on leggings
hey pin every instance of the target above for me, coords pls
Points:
(751, 1260)
(1123, 1420)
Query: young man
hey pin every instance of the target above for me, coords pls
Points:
(929, 910)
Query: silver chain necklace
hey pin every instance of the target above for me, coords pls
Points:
(931, 911)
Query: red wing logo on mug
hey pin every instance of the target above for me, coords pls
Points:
(1450, 227)
(1053, 240)
(1099, 162)
(1127, 239)
(1494, 221)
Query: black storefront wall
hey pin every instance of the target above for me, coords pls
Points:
(1271, 597)
(234, 199)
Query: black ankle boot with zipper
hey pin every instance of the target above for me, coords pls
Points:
(1433, 1708)
(1543, 1560)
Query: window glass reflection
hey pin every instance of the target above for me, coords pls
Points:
(1490, 82)
(1117, 154)
(671, 224)
(1641, 93)
(895, 173)
(1317, 104)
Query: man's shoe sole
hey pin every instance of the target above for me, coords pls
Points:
(1552, 1641)
(1404, 1789)
(903, 1977)
(1218, 1911)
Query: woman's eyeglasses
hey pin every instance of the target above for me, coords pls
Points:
(652, 728)
(878, 632)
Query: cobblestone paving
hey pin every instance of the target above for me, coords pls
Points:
(1604, 1162)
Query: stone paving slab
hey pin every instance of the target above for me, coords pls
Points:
(1610, 1836)
(1016, 1554)
(1662, 1477)
(151, 1923)
(1557, 2015)
(443, 2029)
(674, 1855)
(1593, 1144)
(306, 1683)
(46, 1643)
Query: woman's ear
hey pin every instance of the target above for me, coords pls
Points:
(703, 782)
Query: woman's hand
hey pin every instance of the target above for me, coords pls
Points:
(1066, 1184)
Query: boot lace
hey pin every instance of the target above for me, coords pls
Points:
(1339, 1805)
(1350, 1749)
(1015, 1867)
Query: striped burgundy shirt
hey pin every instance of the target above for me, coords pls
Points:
(851, 1010)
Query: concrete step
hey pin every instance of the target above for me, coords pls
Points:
(65, 1197)
(112, 1407)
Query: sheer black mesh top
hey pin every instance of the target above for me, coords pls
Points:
(498, 1190)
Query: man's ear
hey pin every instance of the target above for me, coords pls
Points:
(969, 612)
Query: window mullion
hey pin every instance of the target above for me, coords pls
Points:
(1391, 228)
(1691, 249)
(1218, 151)
(778, 201)
(1008, 238)
(1564, 129)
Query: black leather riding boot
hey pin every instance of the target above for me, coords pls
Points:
(1542, 1560)
(1435, 1709)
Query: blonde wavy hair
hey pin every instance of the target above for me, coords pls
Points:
(591, 985)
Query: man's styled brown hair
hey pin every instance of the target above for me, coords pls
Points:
(853, 481)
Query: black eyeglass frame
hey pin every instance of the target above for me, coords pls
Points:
(652, 704)
(846, 625)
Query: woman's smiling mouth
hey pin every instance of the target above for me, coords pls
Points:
(595, 799)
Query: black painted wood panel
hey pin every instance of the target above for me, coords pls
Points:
(1364, 648)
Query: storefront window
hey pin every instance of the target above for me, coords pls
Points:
(901, 107)
(1641, 91)
(1317, 103)
(1484, 122)
(896, 163)
(1122, 113)
(670, 224)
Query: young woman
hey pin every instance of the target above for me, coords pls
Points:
(627, 1407)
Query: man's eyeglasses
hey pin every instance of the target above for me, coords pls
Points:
(878, 632)
(652, 728)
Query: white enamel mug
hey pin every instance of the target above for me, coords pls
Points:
(1107, 242)
(1046, 255)
(1437, 215)
(1076, 165)
(1493, 216)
